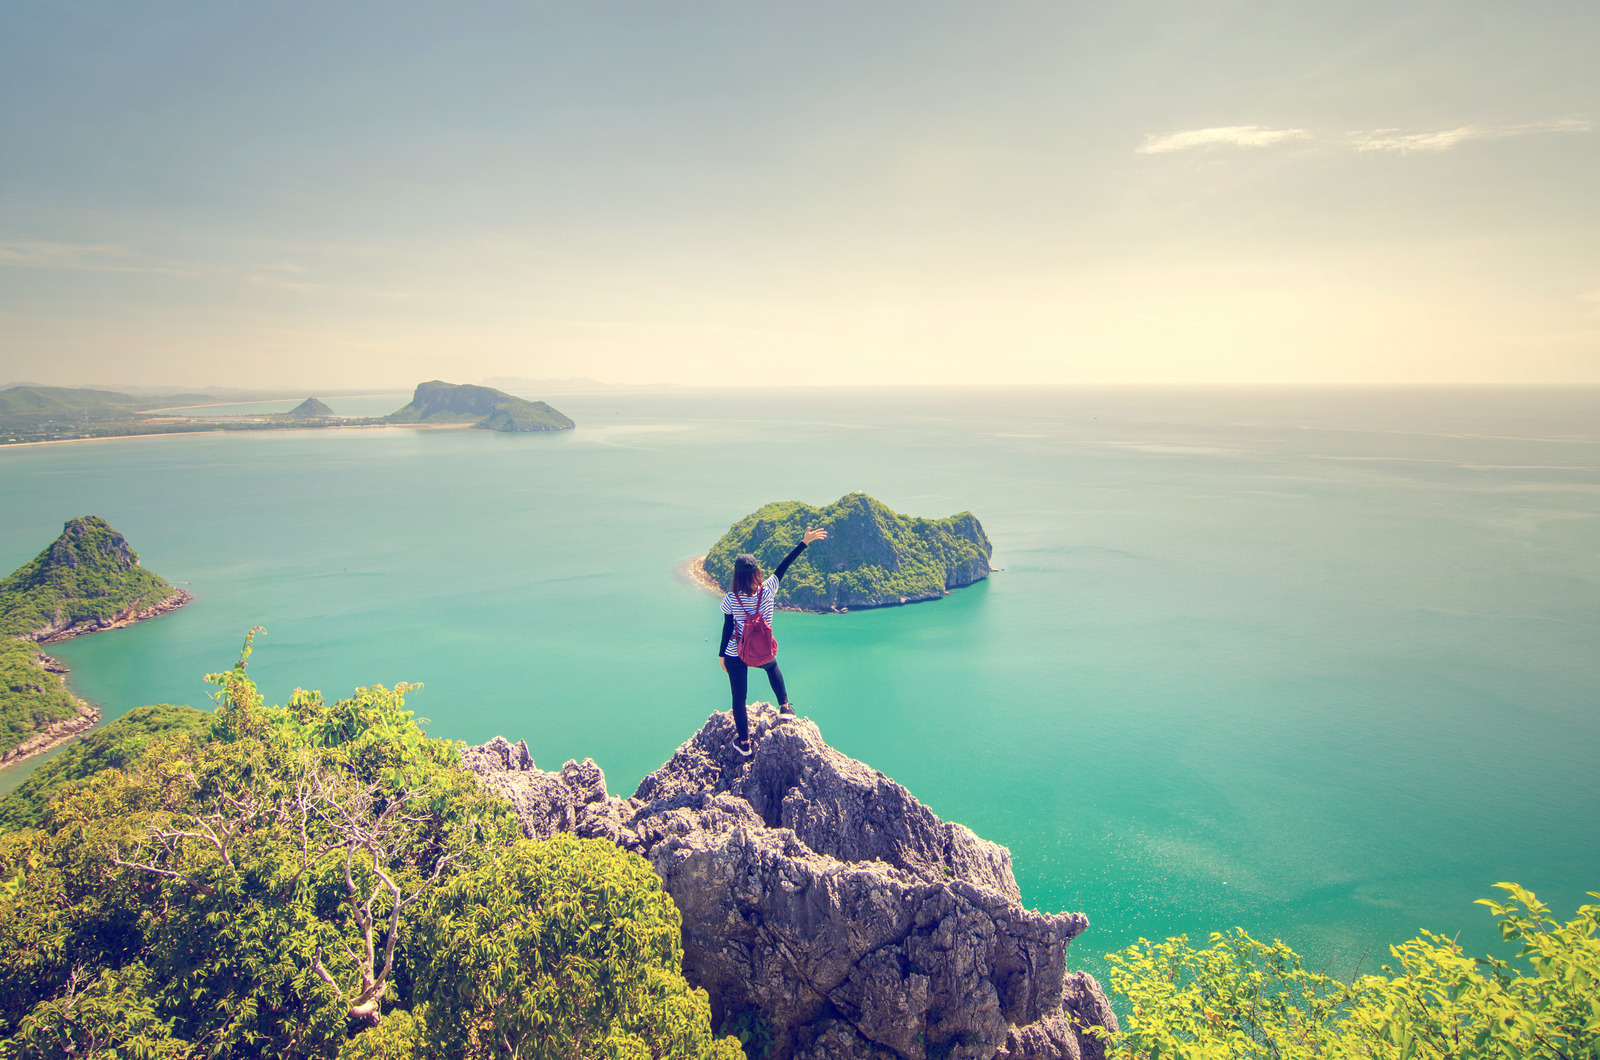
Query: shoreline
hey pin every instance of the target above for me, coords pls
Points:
(64, 731)
(164, 607)
(237, 430)
(56, 733)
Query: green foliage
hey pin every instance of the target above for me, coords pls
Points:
(299, 881)
(754, 1032)
(31, 697)
(117, 746)
(872, 555)
(562, 949)
(1244, 998)
(88, 574)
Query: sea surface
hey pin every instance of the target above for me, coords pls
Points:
(1324, 664)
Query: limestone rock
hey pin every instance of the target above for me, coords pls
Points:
(820, 895)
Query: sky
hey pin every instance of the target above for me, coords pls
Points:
(1195, 192)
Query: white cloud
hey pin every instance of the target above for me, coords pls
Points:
(1444, 139)
(1230, 135)
(1394, 140)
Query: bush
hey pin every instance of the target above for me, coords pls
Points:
(1243, 998)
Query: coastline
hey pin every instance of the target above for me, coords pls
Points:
(235, 430)
(692, 571)
(122, 621)
(64, 731)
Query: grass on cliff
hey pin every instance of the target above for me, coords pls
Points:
(322, 880)
(871, 551)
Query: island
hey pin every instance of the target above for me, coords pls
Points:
(88, 580)
(873, 557)
(478, 406)
(310, 409)
(55, 414)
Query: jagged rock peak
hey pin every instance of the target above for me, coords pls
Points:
(819, 895)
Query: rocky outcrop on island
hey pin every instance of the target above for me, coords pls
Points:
(873, 557)
(88, 580)
(820, 897)
(478, 406)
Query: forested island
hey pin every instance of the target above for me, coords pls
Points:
(88, 580)
(41, 414)
(873, 557)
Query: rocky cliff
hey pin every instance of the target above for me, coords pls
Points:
(820, 897)
(873, 556)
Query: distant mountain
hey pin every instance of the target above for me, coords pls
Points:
(58, 400)
(873, 557)
(47, 401)
(310, 409)
(481, 406)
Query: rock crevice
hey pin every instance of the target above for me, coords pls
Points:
(818, 894)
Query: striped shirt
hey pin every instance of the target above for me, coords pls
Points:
(738, 605)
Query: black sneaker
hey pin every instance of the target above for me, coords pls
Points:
(743, 747)
(786, 711)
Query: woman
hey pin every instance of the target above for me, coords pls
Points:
(752, 596)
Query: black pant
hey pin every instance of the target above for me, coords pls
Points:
(739, 681)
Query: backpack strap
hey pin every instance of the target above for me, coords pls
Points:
(738, 599)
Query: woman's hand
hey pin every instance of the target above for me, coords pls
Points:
(722, 662)
(815, 533)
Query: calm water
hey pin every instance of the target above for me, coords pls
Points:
(1325, 666)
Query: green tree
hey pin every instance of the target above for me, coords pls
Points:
(279, 885)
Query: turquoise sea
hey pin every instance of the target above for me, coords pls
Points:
(1324, 664)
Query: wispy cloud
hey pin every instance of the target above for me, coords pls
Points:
(1445, 139)
(84, 257)
(1226, 135)
(1394, 140)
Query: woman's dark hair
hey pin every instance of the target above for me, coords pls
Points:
(746, 574)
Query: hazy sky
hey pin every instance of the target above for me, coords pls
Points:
(341, 194)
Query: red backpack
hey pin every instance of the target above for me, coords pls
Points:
(757, 645)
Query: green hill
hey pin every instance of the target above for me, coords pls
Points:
(87, 580)
(62, 400)
(873, 557)
(310, 409)
(481, 406)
